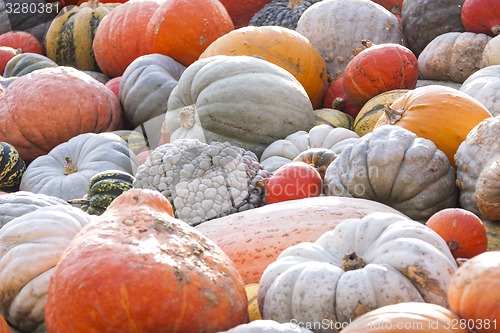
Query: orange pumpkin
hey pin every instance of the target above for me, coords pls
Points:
(463, 231)
(481, 16)
(6, 53)
(380, 68)
(138, 269)
(441, 114)
(336, 98)
(394, 6)
(281, 46)
(183, 29)
(4, 327)
(22, 40)
(473, 292)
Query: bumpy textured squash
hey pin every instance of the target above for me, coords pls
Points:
(361, 265)
(12, 166)
(25, 63)
(484, 85)
(394, 166)
(283, 13)
(244, 100)
(160, 270)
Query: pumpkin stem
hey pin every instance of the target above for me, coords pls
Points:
(453, 245)
(393, 116)
(186, 117)
(338, 103)
(294, 3)
(495, 30)
(81, 201)
(69, 167)
(352, 261)
(366, 43)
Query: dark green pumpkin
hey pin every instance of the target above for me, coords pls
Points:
(104, 187)
(12, 167)
(25, 63)
(283, 13)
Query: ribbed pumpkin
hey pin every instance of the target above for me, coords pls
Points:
(183, 29)
(25, 63)
(69, 39)
(241, 11)
(283, 13)
(441, 114)
(481, 16)
(21, 40)
(379, 68)
(85, 105)
(281, 46)
(484, 85)
(333, 117)
(12, 166)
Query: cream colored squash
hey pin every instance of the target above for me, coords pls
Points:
(491, 53)
(484, 85)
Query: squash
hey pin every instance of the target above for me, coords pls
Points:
(334, 118)
(473, 292)
(12, 166)
(441, 114)
(242, 11)
(86, 106)
(320, 158)
(268, 326)
(394, 6)
(160, 270)
(378, 69)
(114, 85)
(336, 98)
(283, 151)
(253, 239)
(22, 40)
(481, 16)
(395, 167)
(408, 317)
(361, 265)
(4, 326)
(453, 56)
(65, 172)
(488, 191)
(6, 53)
(424, 20)
(135, 140)
(69, 39)
(484, 86)
(31, 246)
(491, 52)
(25, 63)
(327, 25)
(145, 87)
(246, 101)
(281, 46)
(253, 306)
(283, 13)
(183, 29)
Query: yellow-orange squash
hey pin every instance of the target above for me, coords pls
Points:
(138, 269)
(4, 327)
(281, 46)
(441, 114)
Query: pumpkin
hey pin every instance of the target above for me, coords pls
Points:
(373, 109)
(4, 327)
(361, 265)
(473, 292)
(12, 166)
(242, 11)
(488, 192)
(65, 172)
(336, 98)
(285, 150)
(246, 101)
(463, 231)
(253, 306)
(253, 239)
(183, 29)
(441, 114)
(104, 187)
(452, 56)
(69, 39)
(319, 158)
(25, 63)
(484, 86)
(474, 157)
(450, 84)
(6, 53)
(21, 40)
(283, 13)
(334, 118)
(135, 140)
(145, 87)
(424, 20)
(378, 69)
(268, 326)
(86, 106)
(481, 16)
(281, 46)
(119, 39)
(394, 6)
(395, 167)
(163, 270)
(114, 85)
(31, 247)
(325, 24)
(408, 317)
(18, 203)
(491, 53)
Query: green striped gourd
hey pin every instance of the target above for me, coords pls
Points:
(12, 167)
(25, 63)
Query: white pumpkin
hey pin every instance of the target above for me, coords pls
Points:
(491, 52)
(361, 265)
(484, 85)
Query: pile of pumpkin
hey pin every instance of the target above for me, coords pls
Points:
(247, 166)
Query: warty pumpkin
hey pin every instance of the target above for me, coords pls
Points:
(164, 274)
(441, 114)
(484, 86)
(361, 265)
(246, 101)
(281, 46)
(22, 40)
(481, 16)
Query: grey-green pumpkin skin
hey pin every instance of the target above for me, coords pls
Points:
(283, 13)
(25, 63)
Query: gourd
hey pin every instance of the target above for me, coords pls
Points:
(453, 56)
(395, 167)
(281, 46)
(21, 40)
(283, 13)
(25, 63)
(333, 117)
(319, 158)
(253, 239)
(65, 172)
(12, 166)
(162, 270)
(491, 53)
(69, 38)
(86, 106)
(361, 265)
(246, 101)
(453, 115)
(481, 16)
(484, 86)
(326, 25)
(32, 244)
